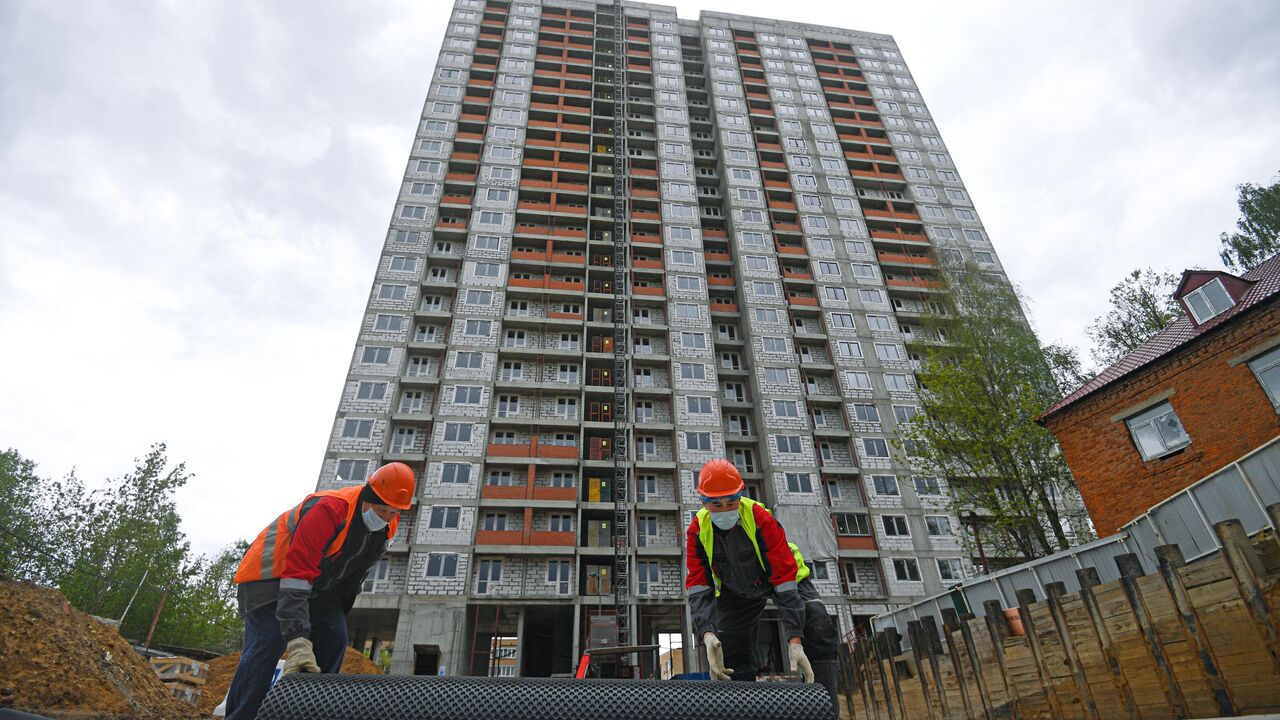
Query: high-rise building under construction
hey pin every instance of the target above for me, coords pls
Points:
(626, 244)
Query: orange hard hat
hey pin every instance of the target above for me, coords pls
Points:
(719, 478)
(394, 484)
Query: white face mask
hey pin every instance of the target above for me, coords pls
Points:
(372, 521)
(725, 520)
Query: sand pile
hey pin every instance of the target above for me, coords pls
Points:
(222, 669)
(56, 660)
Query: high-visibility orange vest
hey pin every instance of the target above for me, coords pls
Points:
(265, 558)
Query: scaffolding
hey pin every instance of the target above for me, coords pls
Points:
(621, 317)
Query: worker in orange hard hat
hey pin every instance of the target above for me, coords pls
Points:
(300, 577)
(738, 557)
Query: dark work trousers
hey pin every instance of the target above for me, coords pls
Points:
(263, 646)
(739, 623)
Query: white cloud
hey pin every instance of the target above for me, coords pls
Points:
(192, 197)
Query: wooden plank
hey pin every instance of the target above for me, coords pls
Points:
(878, 651)
(1130, 571)
(1245, 567)
(929, 634)
(918, 648)
(1027, 598)
(1055, 592)
(997, 629)
(1169, 560)
(971, 652)
(950, 624)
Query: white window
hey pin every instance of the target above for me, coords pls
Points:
(693, 340)
(777, 375)
(693, 371)
(375, 355)
(1266, 368)
(457, 432)
(371, 391)
(442, 565)
(888, 352)
(799, 483)
(1157, 431)
(836, 293)
(444, 517)
(353, 471)
(1208, 300)
(927, 485)
(950, 569)
(897, 382)
(357, 429)
(852, 525)
(785, 408)
(879, 322)
(906, 570)
(858, 380)
(477, 328)
(885, 484)
(789, 444)
(698, 404)
(698, 441)
(895, 526)
(841, 320)
(849, 349)
(764, 289)
(392, 292)
(866, 413)
(875, 448)
(766, 315)
(871, 297)
(455, 473)
(467, 394)
(938, 525)
(479, 297)
(772, 344)
(489, 217)
(389, 323)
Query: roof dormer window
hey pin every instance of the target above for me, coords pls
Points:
(1208, 301)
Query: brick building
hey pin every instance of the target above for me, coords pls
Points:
(1196, 397)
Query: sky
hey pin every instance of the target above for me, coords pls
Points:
(193, 197)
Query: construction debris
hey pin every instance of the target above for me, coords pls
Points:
(56, 660)
(222, 669)
(184, 677)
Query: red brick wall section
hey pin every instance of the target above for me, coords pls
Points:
(1224, 409)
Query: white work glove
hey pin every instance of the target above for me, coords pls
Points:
(800, 661)
(302, 658)
(715, 657)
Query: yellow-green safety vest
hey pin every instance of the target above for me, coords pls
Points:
(746, 518)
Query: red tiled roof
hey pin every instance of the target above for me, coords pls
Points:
(1265, 279)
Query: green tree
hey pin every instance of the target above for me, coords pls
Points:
(119, 547)
(201, 612)
(130, 535)
(20, 515)
(1257, 235)
(981, 392)
(1142, 304)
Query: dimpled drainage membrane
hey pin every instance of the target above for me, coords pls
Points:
(305, 696)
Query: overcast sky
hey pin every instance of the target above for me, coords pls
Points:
(193, 196)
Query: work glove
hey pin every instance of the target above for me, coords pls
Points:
(800, 661)
(715, 657)
(302, 658)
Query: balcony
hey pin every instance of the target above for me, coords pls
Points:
(915, 283)
(535, 449)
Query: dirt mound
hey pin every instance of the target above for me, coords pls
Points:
(222, 669)
(55, 659)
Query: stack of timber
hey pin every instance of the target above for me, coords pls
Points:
(1197, 640)
(184, 677)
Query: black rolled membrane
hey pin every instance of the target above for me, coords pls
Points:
(312, 696)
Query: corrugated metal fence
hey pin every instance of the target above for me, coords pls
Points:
(1242, 491)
